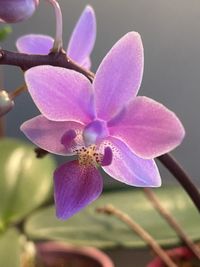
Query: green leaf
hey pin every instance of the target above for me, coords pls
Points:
(103, 231)
(4, 32)
(10, 249)
(26, 182)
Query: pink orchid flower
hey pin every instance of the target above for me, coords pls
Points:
(104, 124)
(80, 45)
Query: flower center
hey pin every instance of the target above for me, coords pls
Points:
(88, 156)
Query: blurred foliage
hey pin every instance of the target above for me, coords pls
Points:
(26, 182)
(103, 231)
(4, 32)
(10, 248)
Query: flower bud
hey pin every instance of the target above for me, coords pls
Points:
(6, 103)
(12, 11)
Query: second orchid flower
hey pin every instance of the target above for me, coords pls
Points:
(80, 44)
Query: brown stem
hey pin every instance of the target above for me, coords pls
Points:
(182, 177)
(172, 222)
(25, 62)
(110, 210)
(18, 91)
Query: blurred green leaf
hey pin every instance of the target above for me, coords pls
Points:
(25, 181)
(10, 249)
(4, 32)
(93, 229)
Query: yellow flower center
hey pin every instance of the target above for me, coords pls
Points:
(88, 156)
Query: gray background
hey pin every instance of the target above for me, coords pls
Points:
(171, 36)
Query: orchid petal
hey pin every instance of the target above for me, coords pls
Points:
(128, 168)
(148, 128)
(61, 94)
(35, 44)
(48, 134)
(83, 37)
(86, 63)
(75, 187)
(119, 76)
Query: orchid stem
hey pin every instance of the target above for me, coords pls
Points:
(172, 222)
(110, 210)
(58, 41)
(18, 91)
(182, 177)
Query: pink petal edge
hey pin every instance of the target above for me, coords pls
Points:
(47, 134)
(119, 76)
(128, 168)
(35, 44)
(61, 94)
(148, 128)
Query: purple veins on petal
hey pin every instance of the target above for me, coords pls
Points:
(119, 76)
(128, 168)
(48, 134)
(148, 128)
(75, 187)
(35, 44)
(83, 38)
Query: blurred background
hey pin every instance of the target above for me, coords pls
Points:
(171, 37)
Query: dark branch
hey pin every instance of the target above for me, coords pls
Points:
(182, 177)
(25, 61)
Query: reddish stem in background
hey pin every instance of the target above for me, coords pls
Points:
(141, 232)
(60, 59)
(172, 221)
